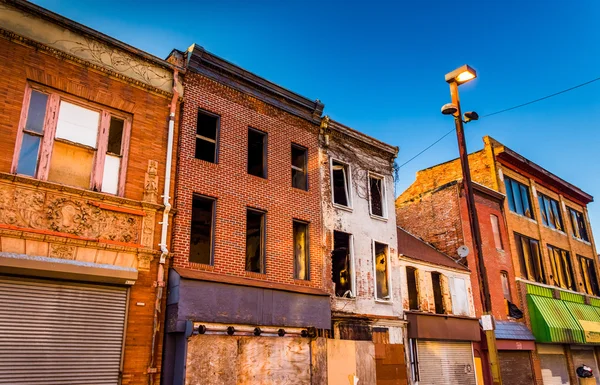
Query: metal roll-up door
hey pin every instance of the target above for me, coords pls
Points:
(554, 369)
(586, 356)
(60, 333)
(445, 363)
(515, 367)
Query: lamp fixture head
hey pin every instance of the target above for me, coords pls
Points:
(461, 75)
(449, 109)
(471, 115)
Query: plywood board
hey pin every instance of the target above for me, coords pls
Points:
(365, 363)
(341, 361)
(211, 360)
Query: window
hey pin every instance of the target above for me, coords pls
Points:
(66, 141)
(438, 299)
(299, 167)
(340, 183)
(588, 274)
(532, 266)
(496, 230)
(207, 136)
(549, 209)
(382, 284)
(562, 272)
(377, 195)
(518, 197)
(342, 264)
(301, 255)
(201, 240)
(505, 285)
(413, 292)
(460, 302)
(257, 153)
(255, 241)
(578, 225)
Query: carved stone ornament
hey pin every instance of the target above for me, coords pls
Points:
(144, 261)
(148, 229)
(62, 251)
(151, 182)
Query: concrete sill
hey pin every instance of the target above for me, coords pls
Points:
(524, 217)
(377, 217)
(384, 301)
(341, 207)
(555, 230)
(582, 241)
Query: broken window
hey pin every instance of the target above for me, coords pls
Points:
(72, 142)
(562, 272)
(549, 209)
(340, 183)
(518, 197)
(376, 195)
(257, 153)
(413, 292)
(255, 241)
(301, 256)
(207, 136)
(532, 266)
(496, 231)
(460, 300)
(588, 274)
(299, 167)
(578, 225)
(341, 264)
(382, 284)
(505, 285)
(201, 239)
(438, 298)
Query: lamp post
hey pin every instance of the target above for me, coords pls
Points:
(455, 78)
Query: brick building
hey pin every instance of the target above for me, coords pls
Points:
(248, 280)
(84, 129)
(543, 231)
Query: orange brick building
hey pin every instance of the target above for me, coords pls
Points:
(84, 129)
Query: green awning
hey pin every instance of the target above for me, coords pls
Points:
(588, 318)
(552, 321)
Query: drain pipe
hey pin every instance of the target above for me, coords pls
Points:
(160, 278)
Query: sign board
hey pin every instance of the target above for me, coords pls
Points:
(487, 322)
(591, 330)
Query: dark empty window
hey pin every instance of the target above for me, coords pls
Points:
(341, 264)
(301, 258)
(257, 153)
(588, 275)
(411, 283)
(207, 132)
(438, 298)
(549, 209)
(578, 225)
(299, 167)
(115, 136)
(518, 197)
(382, 283)
(376, 195)
(255, 241)
(340, 183)
(530, 258)
(562, 272)
(201, 240)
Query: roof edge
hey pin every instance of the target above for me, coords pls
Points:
(459, 266)
(335, 125)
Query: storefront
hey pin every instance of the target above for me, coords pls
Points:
(515, 345)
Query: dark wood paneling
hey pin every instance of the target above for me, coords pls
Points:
(515, 367)
(390, 364)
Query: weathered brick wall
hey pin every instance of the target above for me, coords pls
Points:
(235, 190)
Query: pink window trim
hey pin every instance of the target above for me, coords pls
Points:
(22, 122)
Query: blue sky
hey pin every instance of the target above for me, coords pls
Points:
(379, 66)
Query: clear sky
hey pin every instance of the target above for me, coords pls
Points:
(379, 66)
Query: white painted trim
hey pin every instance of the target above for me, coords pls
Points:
(389, 272)
(349, 188)
(384, 207)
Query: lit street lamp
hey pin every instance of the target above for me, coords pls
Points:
(455, 78)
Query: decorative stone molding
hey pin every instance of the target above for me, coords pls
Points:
(151, 182)
(61, 251)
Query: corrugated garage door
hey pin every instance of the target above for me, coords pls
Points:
(554, 369)
(60, 333)
(585, 356)
(515, 367)
(445, 363)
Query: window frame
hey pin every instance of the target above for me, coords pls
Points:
(307, 247)
(496, 232)
(575, 225)
(216, 141)
(263, 242)
(305, 171)
(348, 172)
(441, 292)
(384, 211)
(511, 198)
(388, 272)
(265, 147)
(594, 288)
(417, 293)
(351, 262)
(559, 271)
(503, 274)
(48, 137)
(546, 211)
(523, 262)
(212, 228)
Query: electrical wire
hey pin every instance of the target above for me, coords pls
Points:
(499, 112)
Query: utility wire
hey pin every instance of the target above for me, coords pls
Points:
(499, 112)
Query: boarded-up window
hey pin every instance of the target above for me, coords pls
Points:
(201, 239)
(496, 231)
(413, 292)
(458, 292)
(207, 136)
(550, 212)
(255, 241)
(505, 285)
(530, 258)
(257, 153)
(518, 198)
(438, 298)
(382, 284)
(588, 274)
(578, 225)
(301, 256)
(340, 183)
(377, 196)
(341, 264)
(299, 167)
(562, 271)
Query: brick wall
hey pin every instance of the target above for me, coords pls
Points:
(234, 190)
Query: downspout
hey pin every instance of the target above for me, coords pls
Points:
(160, 283)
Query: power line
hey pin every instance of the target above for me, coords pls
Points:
(499, 112)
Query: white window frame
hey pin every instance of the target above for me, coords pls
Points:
(348, 184)
(383, 195)
(453, 295)
(352, 264)
(389, 272)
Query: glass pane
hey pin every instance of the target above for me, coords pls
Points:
(29, 155)
(509, 194)
(537, 261)
(376, 196)
(254, 241)
(77, 124)
(340, 264)
(527, 259)
(543, 210)
(557, 217)
(36, 112)
(110, 177)
(299, 179)
(300, 251)
(202, 228)
(517, 196)
(525, 198)
(115, 136)
(381, 271)
(207, 125)
(205, 150)
(71, 165)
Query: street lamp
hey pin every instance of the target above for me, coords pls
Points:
(455, 78)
